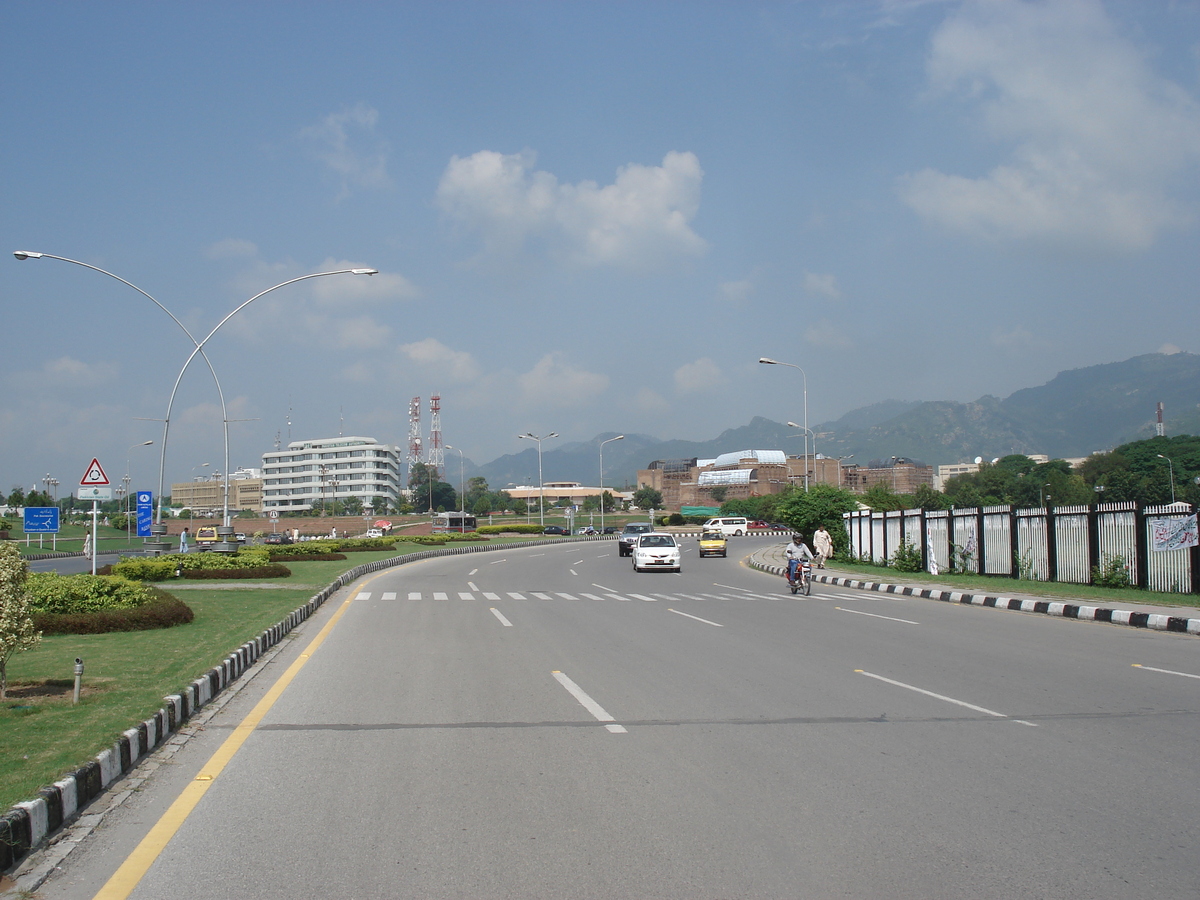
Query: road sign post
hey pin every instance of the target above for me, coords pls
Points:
(42, 520)
(94, 486)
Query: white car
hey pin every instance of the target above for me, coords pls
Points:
(656, 550)
(374, 533)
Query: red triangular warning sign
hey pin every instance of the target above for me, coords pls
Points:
(94, 475)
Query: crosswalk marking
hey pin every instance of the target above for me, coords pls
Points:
(644, 597)
(567, 597)
(389, 595)
(463, 595)
(516, 596)
(592, 596)
(414, 595)
(489, 596)
(364, 595)
(440, 595)
(541, 596)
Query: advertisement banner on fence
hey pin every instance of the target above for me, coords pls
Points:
(1173, 532)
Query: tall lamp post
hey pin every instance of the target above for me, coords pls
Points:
(1172, 465)
(541, 486)
(125, 480)
(619, 437)
(767, 361)
(198, 349)
(462, 492)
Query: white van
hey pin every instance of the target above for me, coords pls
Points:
(734, 526)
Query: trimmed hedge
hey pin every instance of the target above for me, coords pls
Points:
(307, 548)
(514, 528)
(57, 594)
(162, 611)
(308, 557)
(269, 570)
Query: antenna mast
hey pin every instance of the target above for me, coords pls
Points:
(437, 454)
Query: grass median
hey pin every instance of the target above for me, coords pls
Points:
(43, 735)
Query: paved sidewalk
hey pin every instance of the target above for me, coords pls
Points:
(1137, 615)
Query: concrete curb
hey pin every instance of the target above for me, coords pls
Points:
(1131, 618)
(31, 823)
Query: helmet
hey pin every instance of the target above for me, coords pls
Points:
(798, 538)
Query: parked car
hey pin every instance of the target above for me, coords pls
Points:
(374, 532)
(713, 543)
(609, 529)
(758, 523)
(629, 536)
(734, 526)
(656, 550)
(554, 529)
(277, 538)
(586, 529)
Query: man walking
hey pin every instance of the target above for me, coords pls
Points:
(183, 540)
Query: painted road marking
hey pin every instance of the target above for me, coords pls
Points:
(572, 571)
(499, 615)
(697, 618)
(414, 595)
(463, 595)
(1163, 671)
(440, 595)
(587, 702)
(566, 596)
(644, 597)
(364, 595)
(389, 595)
(126, 878)
(591, 596)
(472, 572)
(603, 588)
(472, 585)
(541, 596)
(516, 596)
(909, 687)
(877, 616)
(497, 562)
(487, 595)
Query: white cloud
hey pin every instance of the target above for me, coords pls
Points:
(361, 333)
(555, 383)
(638, 221)
(345, 141)
(431, 353)
(381, 287)
(822, 285)
(648, 401)
(68, 371)
(1097, 137)
(232, 248)
(736, 291)
(697, 376)
(825, 333)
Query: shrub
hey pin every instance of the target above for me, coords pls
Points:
(676, 519)
(907, 557)
(353, 545)
(149, 569)
(267, 570)
(50, 592)
(162, 610)
(308, 557)
(308, 548)
(510, 528)
(1113, 572)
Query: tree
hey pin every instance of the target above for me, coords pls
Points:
(352, 506)
(719, 493)
(647, 497)
(881, 497)
(821, 504)
(481, 508)
(17, 497)
(17, 631)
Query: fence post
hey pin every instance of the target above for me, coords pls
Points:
(1093, 524)
(1141, 546)
(1051, 544)
(1014, 545)
(924, 542)
(980, 541)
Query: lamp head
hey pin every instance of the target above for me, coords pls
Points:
(767, 361)
(26, 254)
(364, 271)
(793, 425)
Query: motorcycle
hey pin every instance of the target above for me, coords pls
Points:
(802, 581)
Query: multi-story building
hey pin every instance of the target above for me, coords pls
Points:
(902, 475)
(313, 474)
(206, 496)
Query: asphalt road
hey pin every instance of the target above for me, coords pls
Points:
(546, 723)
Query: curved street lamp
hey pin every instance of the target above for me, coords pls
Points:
(1172, 465)
(462, 491)
(619, 437)
(541, 486)
(767, 361)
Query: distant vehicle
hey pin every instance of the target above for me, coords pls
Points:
(609, 529)
(656, 550)
(758, 523)
(206, 536)
(630, 535)
(734, 526)
(240, 537)
(586, 529)
(554, 529)
(277, 538)
(713, 543)
(374, 532)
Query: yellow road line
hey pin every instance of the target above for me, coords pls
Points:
(126, 878)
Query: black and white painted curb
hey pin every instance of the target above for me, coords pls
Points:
(30, 823)
(1153, 621)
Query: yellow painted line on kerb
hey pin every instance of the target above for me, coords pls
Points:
(126, 878)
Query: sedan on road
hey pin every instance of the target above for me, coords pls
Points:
(713, 543)
(656, 550)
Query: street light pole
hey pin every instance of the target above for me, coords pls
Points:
(126, 481)
(462, 491)
(767, 361)
(541, 486)
(619, 437)
(1172, 465)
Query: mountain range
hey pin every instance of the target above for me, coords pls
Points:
(1076, 413)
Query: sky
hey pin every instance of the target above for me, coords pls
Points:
(587, 217)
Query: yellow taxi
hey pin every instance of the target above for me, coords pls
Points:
(712, 543)
(206, 535)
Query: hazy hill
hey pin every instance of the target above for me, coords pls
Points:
(1076, 413)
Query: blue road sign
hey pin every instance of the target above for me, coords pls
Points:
(41, 520)
(145, 512)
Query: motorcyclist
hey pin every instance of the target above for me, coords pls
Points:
(796, 552)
